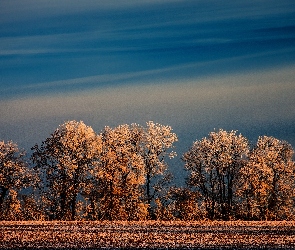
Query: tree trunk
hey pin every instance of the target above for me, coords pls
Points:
(73, 207)
(75, 194)
(111, 206)
(148, 194)
(63, 197)
(3, 193)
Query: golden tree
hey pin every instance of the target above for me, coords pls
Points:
(64, 161)
(214, 164)
(154, 143)
(116, 192)
(14, 175)
(267, 181)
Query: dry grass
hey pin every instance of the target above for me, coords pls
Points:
(148, 234)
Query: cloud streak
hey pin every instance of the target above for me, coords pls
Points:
(259, 98)
(142, 77)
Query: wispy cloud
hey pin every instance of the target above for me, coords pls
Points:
(241, 101)
(166, 75)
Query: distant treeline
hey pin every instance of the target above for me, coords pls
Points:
(122, 174)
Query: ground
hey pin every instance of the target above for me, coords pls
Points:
(148, 234)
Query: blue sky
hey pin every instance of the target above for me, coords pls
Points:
(195, 65)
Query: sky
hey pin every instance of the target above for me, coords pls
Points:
(196, 65)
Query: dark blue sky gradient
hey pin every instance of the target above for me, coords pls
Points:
(65, 45)
(203, 64)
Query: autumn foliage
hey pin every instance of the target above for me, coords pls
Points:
(122, 173)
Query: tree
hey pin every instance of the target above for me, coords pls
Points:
(64, 161)
(214, 164)
(185, 204)
(153, 143)
(116, 193)
(110, 171)
(178, 203)
(14, 175)
(12, 207)
(267, 181)
(31, 208)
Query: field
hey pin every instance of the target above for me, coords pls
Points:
(148, 234)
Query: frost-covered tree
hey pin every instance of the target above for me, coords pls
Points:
(64, 161)
(14, 175)
(31, 208)
(267, 181)
(214, 164)
(118, 177)
(185, 205)
(112, 171)
(154, 143)
(12, 207)
(178, 203)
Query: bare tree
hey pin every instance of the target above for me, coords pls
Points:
(118, 177)
(154, 143)
(267, 181)
(214, 164)
(14, 175)
(185, 204)
(64, 161)
(178, 203)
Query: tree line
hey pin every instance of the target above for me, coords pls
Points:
(122, 174)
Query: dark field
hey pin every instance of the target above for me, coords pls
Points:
(148, 234)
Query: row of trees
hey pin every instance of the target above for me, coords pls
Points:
(122, 174)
